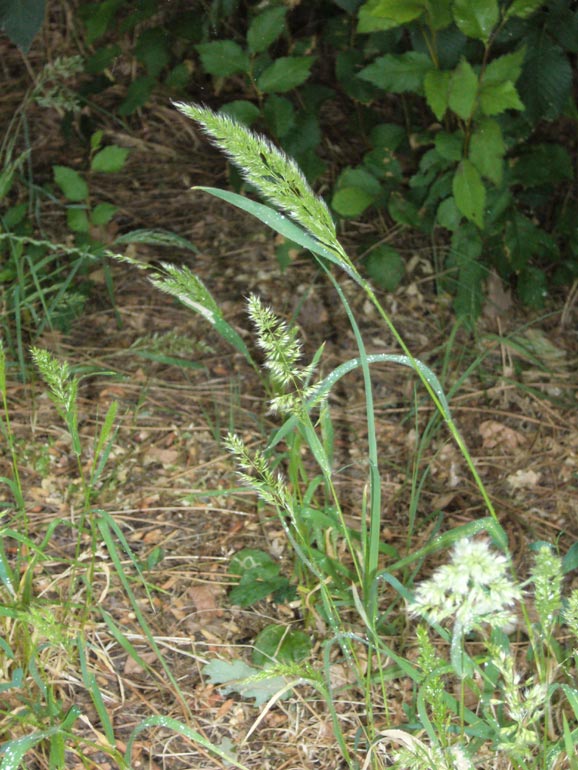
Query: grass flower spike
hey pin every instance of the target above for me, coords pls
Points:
(475, 589)
(277, 177)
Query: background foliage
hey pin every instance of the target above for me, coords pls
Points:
(453, 118)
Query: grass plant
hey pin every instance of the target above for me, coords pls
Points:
(478, 701)
(487, 659)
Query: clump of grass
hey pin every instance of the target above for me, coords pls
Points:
(478, 702)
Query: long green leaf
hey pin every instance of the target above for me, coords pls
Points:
(285, 227)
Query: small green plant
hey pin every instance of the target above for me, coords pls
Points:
(82, 216)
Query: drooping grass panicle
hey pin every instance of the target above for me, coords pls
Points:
(182, 283)
(474, 589)
(276, 176)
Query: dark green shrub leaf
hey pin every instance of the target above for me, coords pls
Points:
(179, 77)
(97, 17)
(109, 160)
(351, 201)
(466, 249)
(102, 213)
(487, 150)
(265, 28)
(437, 89)
(356, 190)
(21, 20)
(71, 183)
(448, 215)
(383, 164)
(137, 94)
(385, 267)
(279, 115)
(463, 90)
(242, 111)
(284, 74)
(439, 14)
(507, 67)
(378, 15)
(523, 239)
(497, 89)
(347, 65)
(279, 644)
(450, 146)
(304, 136)
(523, 8)
(476, 18)
(223, 58)
(542, 164)
(469, 192)
(388, 135)
(398, 73)
(495, 98)
(101, 59)
(152, 49)
(546, 81)
(77, 219)
(404, 211)
(532, 287)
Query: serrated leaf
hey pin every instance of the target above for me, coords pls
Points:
(469, 192)
(476, 18)
(153, 50)
(532, 287)
(437, 87)
(109, 160)
(522, 239)
(137, 94)
(496, 98)
(71, 183)
(102, 213)
(223, 58)
(450, 146)
(523, 8)
(399, 73)
(237, 676)
(507, 67)
(242, 111)
(542, 164)
(284, 74)
(21, 20)
(463, 90)
(396, 11)
(546, 81)
(448, 214)
(279, 115)
(386, 267)
(265, 28)
(487, 149)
